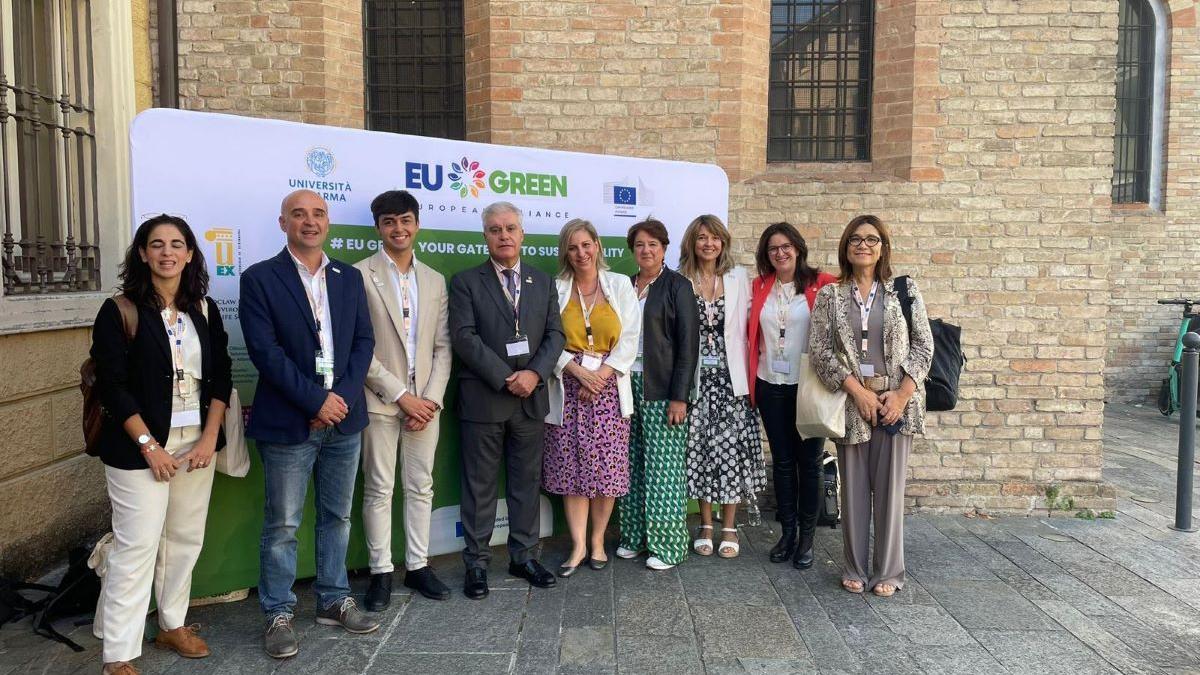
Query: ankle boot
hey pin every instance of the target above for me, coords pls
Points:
(786, 545)
(804, 553)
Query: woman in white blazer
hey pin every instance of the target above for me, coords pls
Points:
(724, 457)
(586, 458)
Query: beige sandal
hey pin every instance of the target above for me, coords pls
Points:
(702, 545)
(884, 590)
(853, 585)
(729, 549)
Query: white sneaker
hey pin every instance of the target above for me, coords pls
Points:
(655, 564)
(626, 553)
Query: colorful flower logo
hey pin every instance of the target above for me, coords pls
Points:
(466, 176)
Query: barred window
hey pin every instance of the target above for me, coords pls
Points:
(1135, 102)
(48, 148)
(415, 69)
(820, 91)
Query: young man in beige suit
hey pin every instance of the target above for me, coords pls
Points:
(405, 384)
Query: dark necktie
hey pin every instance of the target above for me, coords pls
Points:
(510, 280)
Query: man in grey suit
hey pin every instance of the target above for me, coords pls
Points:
(506, 330)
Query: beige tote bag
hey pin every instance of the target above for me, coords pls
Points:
(820, 413)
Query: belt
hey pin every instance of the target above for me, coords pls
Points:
(877, 383)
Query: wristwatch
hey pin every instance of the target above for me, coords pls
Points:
(146, 443)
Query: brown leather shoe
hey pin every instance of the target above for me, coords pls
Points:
(182, 641)
(119, 668)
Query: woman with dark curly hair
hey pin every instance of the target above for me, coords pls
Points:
(163, 392)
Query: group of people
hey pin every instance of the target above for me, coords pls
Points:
(628, 393)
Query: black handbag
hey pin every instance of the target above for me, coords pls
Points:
(941, 385)
(830, 504)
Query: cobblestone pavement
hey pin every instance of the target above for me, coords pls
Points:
(1002, 595)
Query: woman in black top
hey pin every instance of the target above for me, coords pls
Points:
(654, 513)
(163, 395)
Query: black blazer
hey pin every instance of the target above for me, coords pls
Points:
(137, 378)
(671, 338)
(481, 324)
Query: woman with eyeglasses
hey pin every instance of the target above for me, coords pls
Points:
(861, 343)
(782, 299)
(724, 452)
(163, 392)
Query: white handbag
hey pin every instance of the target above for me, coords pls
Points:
(234, 460)
(820, 413)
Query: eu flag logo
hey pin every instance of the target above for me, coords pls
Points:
(624, 195)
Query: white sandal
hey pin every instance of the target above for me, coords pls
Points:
(699, 543)
(654, 563)
(732, 546)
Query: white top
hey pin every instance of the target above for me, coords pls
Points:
(795, 342)
(318, 299)
(399, 282)
(637, 363)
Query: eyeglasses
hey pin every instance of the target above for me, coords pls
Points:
(782, 249)
(871, 241)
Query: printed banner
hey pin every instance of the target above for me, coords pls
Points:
(227, 176)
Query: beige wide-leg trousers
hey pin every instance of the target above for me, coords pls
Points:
(384, 440)
(158, 531)
(873, 490)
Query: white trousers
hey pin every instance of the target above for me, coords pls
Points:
(384, 440)
(158, 531)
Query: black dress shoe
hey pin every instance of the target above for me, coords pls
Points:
(379, 592)
(425, 582)
(475, 586)
(785, 547)
(533, 572)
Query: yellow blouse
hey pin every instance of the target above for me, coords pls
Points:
(606, 327)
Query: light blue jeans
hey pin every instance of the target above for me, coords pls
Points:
(333, 458)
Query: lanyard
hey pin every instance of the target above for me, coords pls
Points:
(176, 333)
(317, 304)
(783, 304)
(710, 312)
(405, 303)
(646, 289)
(587, 315)
(864, 311)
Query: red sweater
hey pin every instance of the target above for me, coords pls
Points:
(760, 288)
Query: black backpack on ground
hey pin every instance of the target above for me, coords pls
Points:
(941, 385)
(830, 505)
(75, 595)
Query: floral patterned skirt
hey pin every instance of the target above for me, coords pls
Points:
(588, 455)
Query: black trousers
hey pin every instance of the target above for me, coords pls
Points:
(795, 462)
(518, 441)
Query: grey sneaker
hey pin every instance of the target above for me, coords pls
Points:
(280, 640)
(345, 613)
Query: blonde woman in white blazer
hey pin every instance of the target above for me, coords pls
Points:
(724, 455)
(586, 457)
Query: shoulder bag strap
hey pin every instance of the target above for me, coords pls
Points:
(906, 301)
(129, 316)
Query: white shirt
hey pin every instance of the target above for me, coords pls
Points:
(795, 342)
(410, 341)
(637, 363)
(180, 439)
(317, 291)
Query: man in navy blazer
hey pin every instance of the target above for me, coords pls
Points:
(307, 330)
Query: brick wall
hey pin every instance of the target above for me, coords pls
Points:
(1157, 255)
(992, 158)
(299, 60)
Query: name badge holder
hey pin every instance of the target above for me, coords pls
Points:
(780, 364)
(323, 359)
(865, 370)
(185, 404)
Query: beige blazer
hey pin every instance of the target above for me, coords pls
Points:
(388, 373)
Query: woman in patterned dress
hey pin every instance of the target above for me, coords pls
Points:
(586, 458)
(654, 513)
(724, 457)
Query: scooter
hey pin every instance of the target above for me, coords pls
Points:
(1168, 392)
